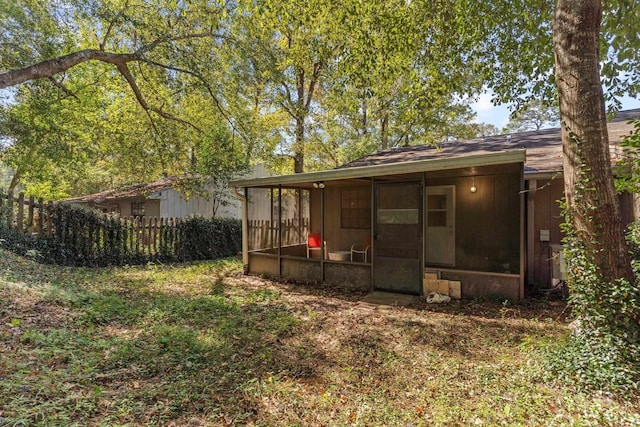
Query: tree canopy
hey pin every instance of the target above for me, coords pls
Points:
(533, 115)
(308, 81)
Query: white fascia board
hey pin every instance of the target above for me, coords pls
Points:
(429, 165)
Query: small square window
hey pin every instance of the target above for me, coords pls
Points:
(137, 209)
(355, 211)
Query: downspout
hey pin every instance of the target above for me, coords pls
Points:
(523, 234)
(322, 237)
(531, 230)
(245, 227)
(279, 230)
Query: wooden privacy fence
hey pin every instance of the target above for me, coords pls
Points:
(263, 234)
(81, 236)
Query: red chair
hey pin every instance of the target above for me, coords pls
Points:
(314, 243)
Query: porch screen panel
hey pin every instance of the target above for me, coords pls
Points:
(294, 220)
(398, 237)
(262, 218)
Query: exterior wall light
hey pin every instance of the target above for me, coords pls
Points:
(318, 184)
(473, 188)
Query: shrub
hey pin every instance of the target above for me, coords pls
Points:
(202, 238)
(83, 237)
(603, 352)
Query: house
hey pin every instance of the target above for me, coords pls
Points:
(167, 198)
(482, 213)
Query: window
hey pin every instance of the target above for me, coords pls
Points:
(437, 210)
(355, 208)
(398, 216)
(137, 209)
(111, 209)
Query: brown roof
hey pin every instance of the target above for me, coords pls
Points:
(134, 190)
(544, 147)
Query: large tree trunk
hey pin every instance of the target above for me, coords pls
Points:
(298, 150)
(590, 194)
(15, 180)
(384, 131)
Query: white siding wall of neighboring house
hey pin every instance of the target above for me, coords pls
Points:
(175, 204)
(170, 203)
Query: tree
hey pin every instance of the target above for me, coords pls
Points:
(587, 164)
(120, 33)
(576, 40)
(579, 30)
(605, 291)
(138, 103)
(533, 115)
(481, 130)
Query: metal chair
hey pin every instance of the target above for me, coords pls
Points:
(361, 248)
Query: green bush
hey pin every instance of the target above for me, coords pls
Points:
(83, 237)
(603, 352)
(201, 238)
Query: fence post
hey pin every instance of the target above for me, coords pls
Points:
(49, 219)
(40, 225)
(130, 236)
(10, 210)
(123, 236)
(30, 214)
(177, 232)
(20, 219)
(155, 235)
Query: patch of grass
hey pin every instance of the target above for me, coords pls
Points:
(199, 344)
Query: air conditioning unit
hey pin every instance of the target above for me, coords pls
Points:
(558, 266)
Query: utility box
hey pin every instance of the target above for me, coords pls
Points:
(558, 266)
(544, 235)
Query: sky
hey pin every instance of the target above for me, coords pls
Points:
(499, 115)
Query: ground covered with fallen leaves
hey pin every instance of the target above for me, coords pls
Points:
(201, 344)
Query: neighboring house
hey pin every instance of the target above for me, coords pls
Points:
(483, 212)
(165, 199)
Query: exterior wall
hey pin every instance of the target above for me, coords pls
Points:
(344, 274)
(151, 208)
(125, 205)
(260, 263)
(338, 238)
(174, 204)
(478, 284)
(487, 222)
(315, 211)
(548, 216)
(301, 270)
(348, 275)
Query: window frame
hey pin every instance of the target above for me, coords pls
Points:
(355, 208)
(137, 207)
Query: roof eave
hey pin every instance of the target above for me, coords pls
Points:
(436, 164)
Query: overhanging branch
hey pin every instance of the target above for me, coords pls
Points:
(124, 70)
(51, 67)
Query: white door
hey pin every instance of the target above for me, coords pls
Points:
(440, 236)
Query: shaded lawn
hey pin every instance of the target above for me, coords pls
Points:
(200, 344)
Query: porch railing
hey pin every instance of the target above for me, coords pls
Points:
(263, 234)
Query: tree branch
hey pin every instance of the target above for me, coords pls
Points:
(317, 69)
(126, 73)
(103, 43)
(204, 82)
(62, 87)
(51, 67)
